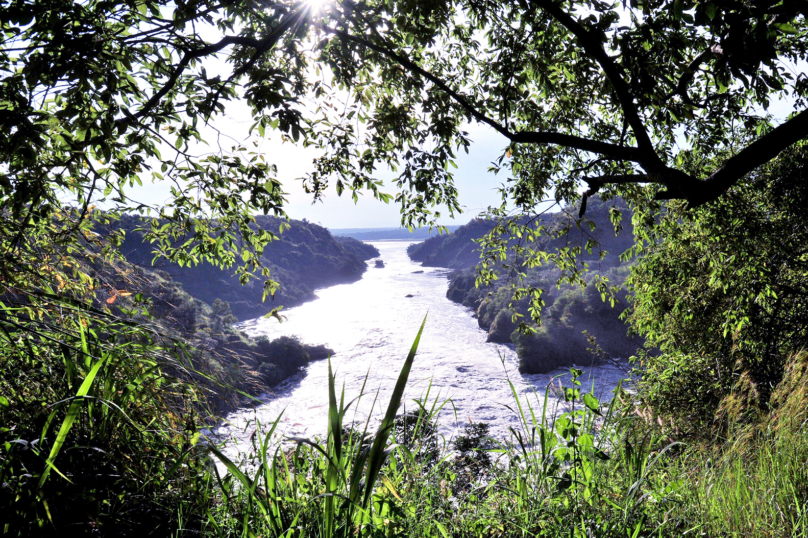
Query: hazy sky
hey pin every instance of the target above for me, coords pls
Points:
(476, 186)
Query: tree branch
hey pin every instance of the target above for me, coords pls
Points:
(527, 137)
(595, 184)
(752, 156)
(687, 77)
(592, 46)
(260, 46)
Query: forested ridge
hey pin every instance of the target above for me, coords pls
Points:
(568, 309)
(303, 258)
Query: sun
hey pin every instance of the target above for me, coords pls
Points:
(317, 5)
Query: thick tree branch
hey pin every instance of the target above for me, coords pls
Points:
(525, 137)
(595, 183)
(621, 179)
(592, 46)
(622, 153)
(752, 156)
(687, 77)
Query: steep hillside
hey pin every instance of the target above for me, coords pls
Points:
(567, 312)
(227, 358)
(458, 250)
(305, 257)
(455, 250)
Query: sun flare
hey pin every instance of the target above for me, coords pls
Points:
(317, 5)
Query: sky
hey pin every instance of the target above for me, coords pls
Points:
(476, 186)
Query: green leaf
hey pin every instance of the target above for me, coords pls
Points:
(377, 450)
(72, 413)
(678, 7)
(592, 403)
(786, 28)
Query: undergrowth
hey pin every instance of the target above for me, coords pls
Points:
(574, 467)
(100, 437)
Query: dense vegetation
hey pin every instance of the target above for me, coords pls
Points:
(158, 365)
(572, 468)
(721, 292)
(302, 258)
(663, 103)
(568, 309)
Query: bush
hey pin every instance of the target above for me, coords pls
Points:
(579, 327)
(280, 358)
(722, 292)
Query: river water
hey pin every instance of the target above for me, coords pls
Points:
(370, 325)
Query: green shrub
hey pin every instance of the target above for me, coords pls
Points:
(722, 292)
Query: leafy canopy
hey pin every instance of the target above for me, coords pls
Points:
(100, 96)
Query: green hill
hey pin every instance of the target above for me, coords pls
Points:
(568, 311)
(305, 257)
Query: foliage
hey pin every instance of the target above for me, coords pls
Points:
(107, 374)
(578, 327)
(99, 430)
(101, 97)
(283, 357)
(722, 291)
(229, 358)
(455, 250)
(573, 467)
(301, 259)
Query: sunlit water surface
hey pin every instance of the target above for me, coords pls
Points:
(370, 325)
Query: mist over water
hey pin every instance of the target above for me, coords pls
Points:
(370, 325)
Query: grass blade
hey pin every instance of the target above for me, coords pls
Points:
(72, 413)
(377, 452)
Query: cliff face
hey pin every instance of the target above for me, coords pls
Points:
(567, 313)
(305, 257)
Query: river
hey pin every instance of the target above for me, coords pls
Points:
(370, 325)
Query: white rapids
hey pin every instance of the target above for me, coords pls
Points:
(370, 325)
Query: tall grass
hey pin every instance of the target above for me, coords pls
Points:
(339, 477)
(756, 482)
(96, 437)
(103, 442)
(569, 470)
